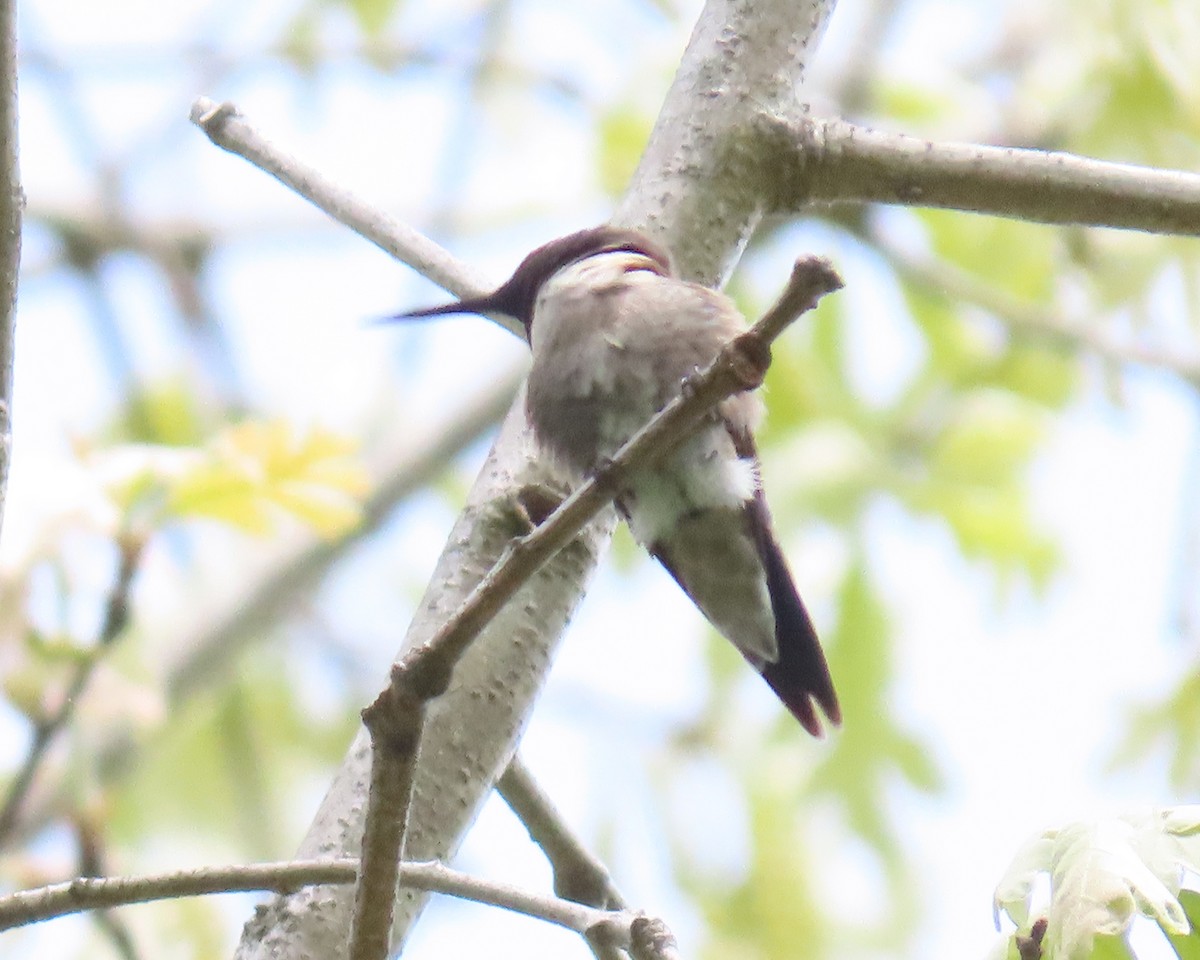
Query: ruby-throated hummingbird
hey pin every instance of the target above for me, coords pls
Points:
(615, 333)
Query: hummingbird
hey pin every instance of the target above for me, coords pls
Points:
(615, 333)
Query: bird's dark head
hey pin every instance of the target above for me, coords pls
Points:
(518, 294)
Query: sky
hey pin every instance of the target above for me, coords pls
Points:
(1007, 685)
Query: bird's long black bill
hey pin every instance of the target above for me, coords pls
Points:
(442, 310)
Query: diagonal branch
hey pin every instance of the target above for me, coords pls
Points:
(832, 161)
(226, 127)
(396, 719)
(578, 874)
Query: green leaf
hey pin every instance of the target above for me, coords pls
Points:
(1187, 945)
(1039, 373)
(254, 472)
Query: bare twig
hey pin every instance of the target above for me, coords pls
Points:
(101, 893)
(578, 874)
(423, 674)
(116, 615)
(11, 202)
(228, 129)
(836, 161)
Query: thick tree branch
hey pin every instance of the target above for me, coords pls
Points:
(700, 185)
(12, 200)
(831, 161)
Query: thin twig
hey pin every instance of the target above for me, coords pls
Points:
(396, 716)
(100, 893)
(578, 874)
(116, 615)
(839, 162)
(228, 129)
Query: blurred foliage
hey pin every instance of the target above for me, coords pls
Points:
(1171, 728)
(951, 440)
(255, 471)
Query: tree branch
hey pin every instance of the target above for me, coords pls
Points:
(228, 129)
(832, 161)
(102, 893)
(647, 937)
(700, 185)
(12, 200)
(395, 736)
(578, 875)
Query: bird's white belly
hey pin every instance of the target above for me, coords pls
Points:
(703, 474)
